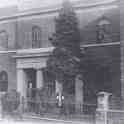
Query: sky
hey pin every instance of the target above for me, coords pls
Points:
(25, 4)
(4, 3)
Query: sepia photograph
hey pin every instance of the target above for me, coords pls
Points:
(61, 62)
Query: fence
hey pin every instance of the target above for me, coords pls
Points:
(47, 108)
(69, 111)
(111, 116)
(83, 112)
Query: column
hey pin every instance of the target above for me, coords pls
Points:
(39, 78)
(78, 95)
(21, 84)
(21, 88)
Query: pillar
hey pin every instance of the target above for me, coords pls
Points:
(22, 89)
(21, 84)
(39, 78)
(78, 95)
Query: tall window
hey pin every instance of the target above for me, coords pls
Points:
(3, 39)
(3, 81)
(36, 37)
(104, 31)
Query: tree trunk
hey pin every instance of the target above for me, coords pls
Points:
(59, 88)
(78, 95)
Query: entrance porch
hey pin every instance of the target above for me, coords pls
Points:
(29, 78)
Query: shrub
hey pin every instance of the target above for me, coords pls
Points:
(10, 101)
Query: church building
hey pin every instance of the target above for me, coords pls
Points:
(25, 46)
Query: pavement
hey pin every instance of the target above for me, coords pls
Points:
(32, 119)
(29, 122)
(38, 121)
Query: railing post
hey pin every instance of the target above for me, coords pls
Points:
(106, 118)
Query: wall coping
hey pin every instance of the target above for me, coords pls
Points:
(46, 51)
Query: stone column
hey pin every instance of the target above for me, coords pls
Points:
(39, 78)
(78, 95)
(22, 89)
(21, 84)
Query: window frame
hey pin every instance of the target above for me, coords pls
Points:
(36, 37)
(3, 82)
(103, 30)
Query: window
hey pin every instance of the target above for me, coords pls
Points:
(36, 37)
(3, 81)
(3, 40)
(104, 31)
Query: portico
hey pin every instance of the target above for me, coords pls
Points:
(29, 70)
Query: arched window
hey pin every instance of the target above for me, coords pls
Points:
(3, 81)
(3, 40)
(104, 31)
(36, 37)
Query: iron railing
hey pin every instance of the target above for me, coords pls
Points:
(111, 116)
(68, 111)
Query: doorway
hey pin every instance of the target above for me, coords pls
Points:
(31, 83)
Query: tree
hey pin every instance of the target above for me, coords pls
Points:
(64, 61)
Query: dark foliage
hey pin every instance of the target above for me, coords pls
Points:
(65, 58)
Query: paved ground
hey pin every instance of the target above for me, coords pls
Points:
(35, 122)
(30, 119)
(28, 122)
